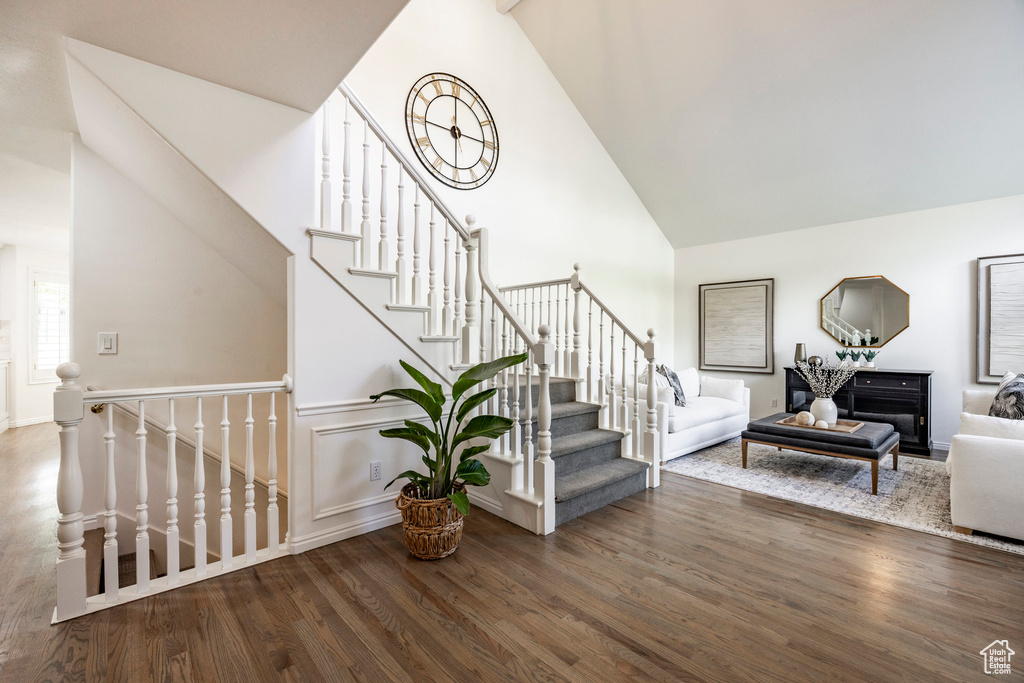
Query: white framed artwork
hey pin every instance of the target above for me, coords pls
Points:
(736, 331)
(1000, 317)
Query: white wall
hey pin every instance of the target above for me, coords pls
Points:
(183, 314)
(556, 196)
(31, 402)
(929, 254)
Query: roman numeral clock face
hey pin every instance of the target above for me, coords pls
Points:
(452, 131)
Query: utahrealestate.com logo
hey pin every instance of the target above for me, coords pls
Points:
(997, 657)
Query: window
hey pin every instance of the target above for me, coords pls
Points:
(51, 338)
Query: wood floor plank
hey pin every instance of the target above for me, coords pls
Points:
(692, 581)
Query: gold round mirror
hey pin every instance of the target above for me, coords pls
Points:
(865, 309)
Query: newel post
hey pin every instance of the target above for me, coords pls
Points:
(652, 452)
(68, 412)
(544, 472)
(574, 362)
(471, 330)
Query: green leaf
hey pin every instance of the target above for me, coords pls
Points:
(409, 435)
(433, 389)
(485, 426)
(425, 431)
(413, 476)
(472, 402)
(469, 452)
(473, 473)
(461, 501)
(478, 373)
(423, 400)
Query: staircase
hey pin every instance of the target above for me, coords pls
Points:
(576, 444)
(589, 470)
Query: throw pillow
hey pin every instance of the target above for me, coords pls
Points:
(1009, 400)
(729, 389)
(660, 380)
(673, 381)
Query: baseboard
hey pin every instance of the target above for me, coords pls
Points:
(942, 446)
(31, 421)
(340, 533)
(485, 503)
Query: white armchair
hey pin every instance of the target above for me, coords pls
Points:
(986, 468)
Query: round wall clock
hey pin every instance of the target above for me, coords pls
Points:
(452, 131)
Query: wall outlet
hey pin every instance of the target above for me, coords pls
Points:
(775, 403)
(375, 470)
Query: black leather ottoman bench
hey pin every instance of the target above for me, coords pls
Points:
(871, 442)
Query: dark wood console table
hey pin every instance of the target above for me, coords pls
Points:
(902, 398)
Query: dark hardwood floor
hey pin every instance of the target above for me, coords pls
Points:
(692, 581)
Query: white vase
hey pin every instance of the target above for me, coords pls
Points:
(825, 409)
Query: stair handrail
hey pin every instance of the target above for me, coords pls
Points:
(397, 154)
(482, 237)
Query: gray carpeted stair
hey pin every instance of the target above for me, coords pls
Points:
(589, 472)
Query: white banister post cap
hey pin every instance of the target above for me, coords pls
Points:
(650, 333)
(289, 383)
(576, 266)
(470, 220)
(69, 372)
(544, 331)
(575, 279)
(649, 346)
(544, 351)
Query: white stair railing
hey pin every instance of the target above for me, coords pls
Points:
(459, 303)
(836, 326)
(70, 401)
(617, 391)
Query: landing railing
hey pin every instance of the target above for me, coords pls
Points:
(70, 401)
(580, 354)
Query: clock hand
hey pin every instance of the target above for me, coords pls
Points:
(470, 137)
(458, 138)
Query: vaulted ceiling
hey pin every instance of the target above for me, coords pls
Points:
(735, 118)
(293, 53)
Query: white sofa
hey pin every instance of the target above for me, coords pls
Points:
(986, 469)
(716, 410)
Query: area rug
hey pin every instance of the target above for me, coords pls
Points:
(915, 497)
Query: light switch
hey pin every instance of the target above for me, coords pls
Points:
(108, 343)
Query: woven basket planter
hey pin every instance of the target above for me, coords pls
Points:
(432, 528)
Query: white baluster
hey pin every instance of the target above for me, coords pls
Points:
(590, 349)
(556, 367)
(574, 358)
(110, 586)
(325, 182)
(433, 313)
(636, 401)
(472, 332)
(226, 546)
(624, 408)
(383, 253)
(249, 521)
(528, 450)
(173, 547)
(516, 438)
(566, 357)
(346, 182)
(400, 261)
(652, 454)
(446, 312)
(417, 279)
(544, 353)
(141, 508)
(602, 394)
(68, 412)
(365, 246)
(492, 408)
(457, 319)
(199, 482)
(273, 514)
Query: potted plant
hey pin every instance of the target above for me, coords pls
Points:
(433, 503)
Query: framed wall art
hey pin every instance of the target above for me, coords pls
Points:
(736, 330)
(1000, 316)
